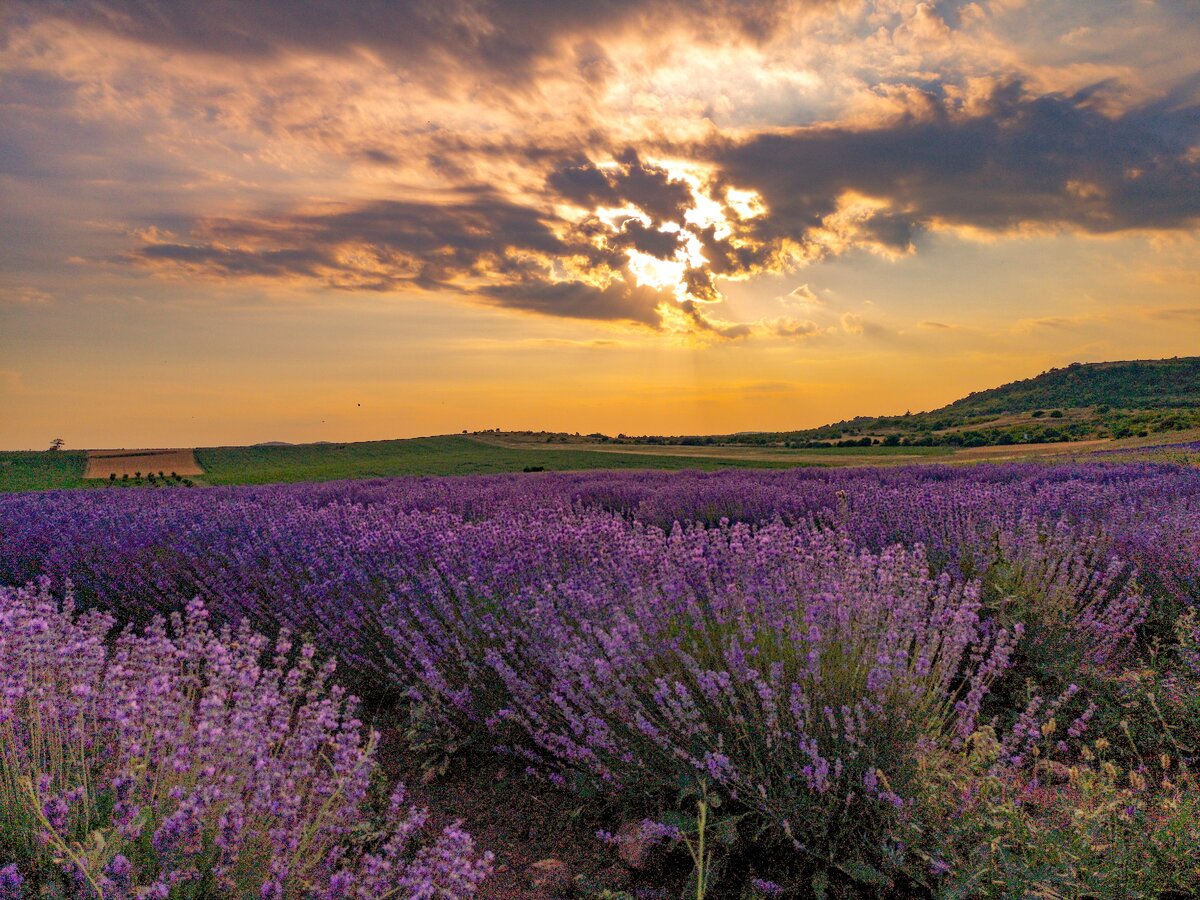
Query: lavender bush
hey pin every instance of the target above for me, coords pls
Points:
(183, 762)
(800, 647)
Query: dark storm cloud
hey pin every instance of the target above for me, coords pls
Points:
(621, 300)
(233, 261)
(1050, 159)
(390, 245)
(507, 36)
(662, 244)
(632, 182)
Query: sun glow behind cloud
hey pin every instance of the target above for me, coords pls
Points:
(700, 213)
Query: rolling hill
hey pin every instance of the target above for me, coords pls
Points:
(1137, 384)
(1079, 402)
(1093, 401)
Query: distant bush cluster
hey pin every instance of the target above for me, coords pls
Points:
(151, 479)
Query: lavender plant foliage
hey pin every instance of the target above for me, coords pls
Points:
(798, 677)
(180, 761)
(793, 639)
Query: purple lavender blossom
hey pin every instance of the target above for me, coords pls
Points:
(627, 629)
(767, 888)
(198, 742)
(11, 883)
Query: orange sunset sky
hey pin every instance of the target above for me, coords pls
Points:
(226, 222)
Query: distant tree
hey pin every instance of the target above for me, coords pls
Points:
(57, 444)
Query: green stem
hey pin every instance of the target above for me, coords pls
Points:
(59, 842)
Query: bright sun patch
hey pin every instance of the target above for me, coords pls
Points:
(684, 271)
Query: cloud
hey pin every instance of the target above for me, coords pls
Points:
(630, 182)
(23, 295)
(662, 244)
(618, 301)
(588, 160)
(854, 324)
(476, 244)
(380, 244)
(509, 37)
(786, 326)
(1025, 326)
(690, 318)
(803, 297)
(1177, 314)
(1013, 158)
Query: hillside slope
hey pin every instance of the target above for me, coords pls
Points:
(1082, 401)
(1136, 384)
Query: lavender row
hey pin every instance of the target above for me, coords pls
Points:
(283, 542)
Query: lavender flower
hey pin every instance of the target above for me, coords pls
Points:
(798, 640)
(11, 883)
(200, 743)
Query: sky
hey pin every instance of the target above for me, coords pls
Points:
(228, 222)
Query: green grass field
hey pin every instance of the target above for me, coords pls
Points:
(37, 471)
(447, 455)
(451, 455)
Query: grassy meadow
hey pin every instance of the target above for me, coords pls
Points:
(445, 455)
(31, 470)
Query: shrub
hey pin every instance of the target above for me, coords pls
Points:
(799, 679)
(184, 762)
(1079, 602)
(1091, 829)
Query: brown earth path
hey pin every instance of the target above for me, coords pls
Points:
(105, 463)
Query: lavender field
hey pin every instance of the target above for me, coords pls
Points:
(927, 681)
